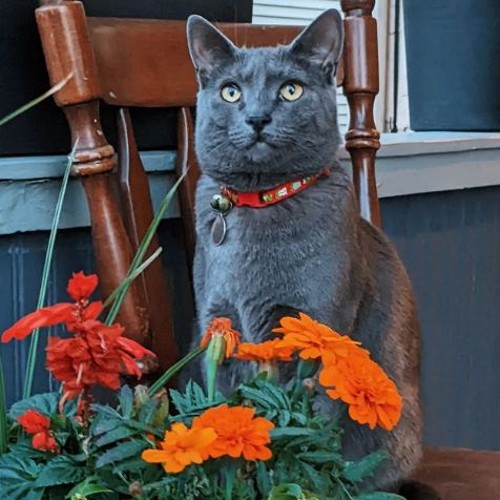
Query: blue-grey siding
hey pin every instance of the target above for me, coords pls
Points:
(450, 242)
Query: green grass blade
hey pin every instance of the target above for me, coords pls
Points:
(32, 353)
(173, 370)
(132, 277)
(141, 251)
(3, 414)
(34, 102)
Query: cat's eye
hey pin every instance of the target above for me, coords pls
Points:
(291, 91)
(230, 92)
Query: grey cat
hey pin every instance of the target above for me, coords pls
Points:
(267, 116)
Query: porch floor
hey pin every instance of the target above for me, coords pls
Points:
(459, 474)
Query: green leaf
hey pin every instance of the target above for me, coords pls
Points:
(193, 400)
(126, 399)
(115, 435)
(121, 452)
(33, 349)
(287, 492)
(142, 250)
(36, 101)
(320, 482)
(43, 403)
(4, 440)
(17, 478)
(321, 457)
(263, 479)
(379, 495)
(364, 468)
(23, 449)
(61, 470)
(147, 412)
(291, 432)
(88, 487)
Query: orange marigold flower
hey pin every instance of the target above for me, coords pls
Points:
(270, 350)
(239, 432)
(181, 447)
(315, 340)
(32, 421)
(372, 396)
(222, 327)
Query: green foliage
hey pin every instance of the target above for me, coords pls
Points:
(18, 478)
(43, 403)
(89, 486)
(365, 468)
(63, 469)
(47, 265)
(193, 400)
(3, 414)
(272, 402)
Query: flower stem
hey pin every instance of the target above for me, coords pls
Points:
(3, 414)
(173, 370)
(229, 473)
(38, 100)
(141, 251)
(32, 353)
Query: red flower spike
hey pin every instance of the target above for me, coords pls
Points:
(81, 287)
(96, 354)
(47, 316)
(34, 422)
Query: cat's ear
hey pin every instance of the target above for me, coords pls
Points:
(208, 47)
(322, 41)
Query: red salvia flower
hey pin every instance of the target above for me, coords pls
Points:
(45, 441)
(32, 421)
(80, 288)
(37, 424)
(95, 354)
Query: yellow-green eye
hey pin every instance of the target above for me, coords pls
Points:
(291, 91)
(230, 92)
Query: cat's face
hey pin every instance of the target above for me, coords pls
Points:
(266, 115)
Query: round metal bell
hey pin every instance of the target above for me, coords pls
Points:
(220, 203)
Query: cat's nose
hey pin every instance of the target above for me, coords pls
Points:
(258, 122)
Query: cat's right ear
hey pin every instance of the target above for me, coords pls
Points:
(208, 47)
(322, 42)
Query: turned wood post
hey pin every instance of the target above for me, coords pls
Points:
(361, 85)
(68, 51)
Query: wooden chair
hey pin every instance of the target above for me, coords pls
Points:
(119, 61)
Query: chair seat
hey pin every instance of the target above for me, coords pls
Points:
(460, 474)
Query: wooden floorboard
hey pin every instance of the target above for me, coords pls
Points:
(459, 474)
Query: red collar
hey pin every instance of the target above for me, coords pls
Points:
(261, 199)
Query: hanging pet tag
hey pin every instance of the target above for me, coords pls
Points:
(219, 229)
(221, 205)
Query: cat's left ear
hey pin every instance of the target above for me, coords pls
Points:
(208, 47)
(322, 41)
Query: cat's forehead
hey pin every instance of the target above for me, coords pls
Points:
(267, 63)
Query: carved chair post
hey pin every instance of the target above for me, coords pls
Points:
(361, 85)
(68, 51)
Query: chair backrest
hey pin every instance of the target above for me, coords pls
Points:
(145, 63)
